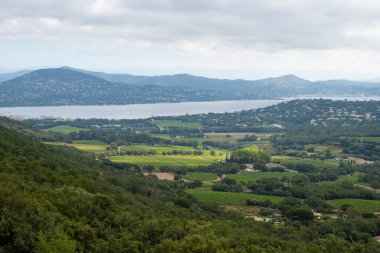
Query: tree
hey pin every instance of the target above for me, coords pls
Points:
(375, 184)
(252, 154)
(149, 168)
(299, 179)
(303, 214)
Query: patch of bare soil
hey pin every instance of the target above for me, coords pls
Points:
(162, 175)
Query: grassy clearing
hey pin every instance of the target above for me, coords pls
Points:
(330, 164)
(363, 205)
(230, 197)
(161, 149)
(217, 137)
(165, 160)
(65, 129)
(202, 176)
(177, 123)
(353, 178)
(370, 139)
(254, 176)
(90, 142)
(283, 157)
(158, 149)
(96, 148)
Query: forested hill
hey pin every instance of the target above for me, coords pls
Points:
(68, 87)
(282, 86)
(317, 112)
(58, 199)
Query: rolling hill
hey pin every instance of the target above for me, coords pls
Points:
(60, 86)
(282, 86)
(69, 86)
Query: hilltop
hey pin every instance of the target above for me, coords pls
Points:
(62, 86)
(69, 86)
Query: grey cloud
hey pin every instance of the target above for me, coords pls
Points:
(270, 25)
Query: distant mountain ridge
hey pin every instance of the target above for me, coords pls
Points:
(68, 86)
(287, 85)
(61, 86)
(8, 76)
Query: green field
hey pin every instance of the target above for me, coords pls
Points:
(283, 157)
(350, 178)
(253, 176)
(160, 149)
(363, 205)
(65, 129)
(230, 197)
(166, 160)
(90, 142)
(370, 139)
(329, 164)
(177, 123)
(202, 176)
(97, 148)
(217, 137)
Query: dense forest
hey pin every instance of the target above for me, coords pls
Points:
(59, 199)
(56, 198)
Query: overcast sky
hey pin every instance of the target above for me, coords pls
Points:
(319, 39)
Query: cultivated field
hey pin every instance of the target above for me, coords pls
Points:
(177, 123)
(158, 149)
(363, 205)
(96, 148)
(329, 164)
(349, 178)
(65, 129)
(370, 139)
(253, 176)
(202, 176)
(166, 160)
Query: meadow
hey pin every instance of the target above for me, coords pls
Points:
(254, 176)
(329, 164)
(177, 123)
(363, 205)
(166, 160)
(168, 148)
(370, 139)
(158, 149)
(65, 129)
(353, 178)
(95, 147)
(230, 197)
(202, 176)
(217, 137)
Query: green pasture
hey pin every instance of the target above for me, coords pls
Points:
(168, 148)
(177, 123)
(158, 149)
(363, 205)
(65, 129)
(202, 176)
(254, 176)
(329, 164)
(370, 139)
(353, 178)
(283, 157)
(166, 160)
(97, 148)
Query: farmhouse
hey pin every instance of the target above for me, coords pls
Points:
(356, 160)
